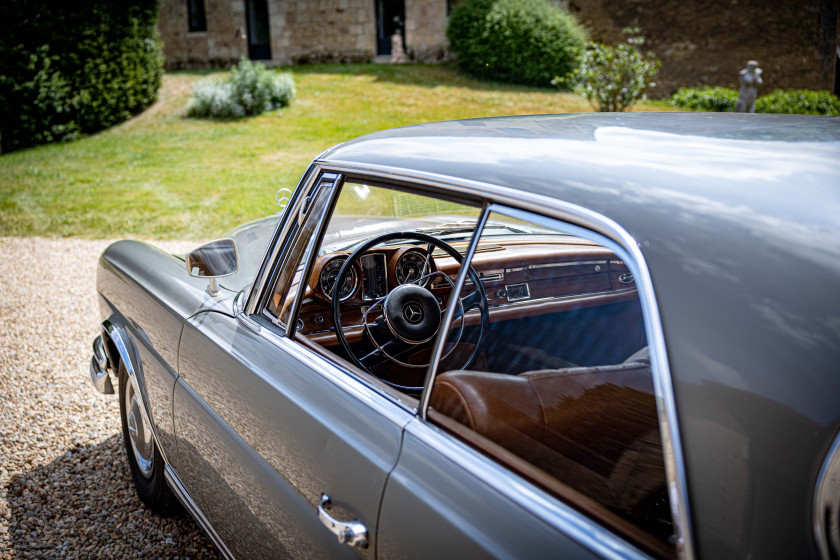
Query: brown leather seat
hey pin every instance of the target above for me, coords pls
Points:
(593, 428)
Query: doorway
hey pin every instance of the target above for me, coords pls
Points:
(259, 34)
(390, 17)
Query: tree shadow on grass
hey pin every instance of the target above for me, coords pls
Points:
(83, 504)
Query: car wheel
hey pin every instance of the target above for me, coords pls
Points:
(144, 458)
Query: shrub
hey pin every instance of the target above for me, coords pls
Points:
(615, 78)
(799, 101)
(519, 41)
(250, 89)
(705, 99)
(73, 68)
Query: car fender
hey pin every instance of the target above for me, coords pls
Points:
(120, 349)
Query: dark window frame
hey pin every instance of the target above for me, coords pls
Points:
(196, 16)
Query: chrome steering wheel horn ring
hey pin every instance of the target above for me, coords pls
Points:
(397, 313)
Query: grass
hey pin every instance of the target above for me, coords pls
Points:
(162, 176)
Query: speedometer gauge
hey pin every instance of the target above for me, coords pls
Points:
(411, 266)
(329, 274)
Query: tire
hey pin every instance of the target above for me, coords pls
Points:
(144, 458)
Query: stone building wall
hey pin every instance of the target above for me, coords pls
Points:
(322, 31)
(221, 45)
(301, 31)
(425, 30)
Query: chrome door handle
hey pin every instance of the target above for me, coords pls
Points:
(352, 533)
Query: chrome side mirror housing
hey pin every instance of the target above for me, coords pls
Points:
(213, 260)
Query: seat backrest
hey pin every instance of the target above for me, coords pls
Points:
(589, 427)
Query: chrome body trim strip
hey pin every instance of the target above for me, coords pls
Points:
(826, 512)
(576, 525)
(184, 497)
(594, 222)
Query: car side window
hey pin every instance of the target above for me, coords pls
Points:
(310, 214)
(561, 388)
(401, 245)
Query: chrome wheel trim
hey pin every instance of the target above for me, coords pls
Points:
(139, 433)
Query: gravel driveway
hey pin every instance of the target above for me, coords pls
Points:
(65, 487)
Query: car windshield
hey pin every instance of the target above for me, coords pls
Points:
(364, 211)
(360, 230)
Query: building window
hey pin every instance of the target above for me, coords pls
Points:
(196, 16)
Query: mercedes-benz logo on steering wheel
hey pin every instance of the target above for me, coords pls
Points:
(413, 312)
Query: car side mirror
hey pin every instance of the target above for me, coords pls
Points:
(213, 260)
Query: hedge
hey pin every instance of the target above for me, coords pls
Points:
(519, 41)
(792, 101)
(73, 68)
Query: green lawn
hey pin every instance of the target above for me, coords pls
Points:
(163, 176)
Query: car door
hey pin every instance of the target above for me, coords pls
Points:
(266, 428)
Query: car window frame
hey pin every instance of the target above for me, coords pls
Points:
(284, 234)
(606, 232)
(280, 259)
(514, 463)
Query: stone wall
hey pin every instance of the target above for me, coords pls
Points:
(707, 42)
(322, 31)
(221, 45)
(425, 30)
(301, 31)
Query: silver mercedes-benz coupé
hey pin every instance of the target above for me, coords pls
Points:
(571, 336)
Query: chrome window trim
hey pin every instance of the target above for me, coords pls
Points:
(281, 233)
(826, 499)
(593, 222)
(553, 511)
(444, 327)
(314, 242)
(189, 504)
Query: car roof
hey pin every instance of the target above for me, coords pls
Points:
(603, 160)
(738, 219)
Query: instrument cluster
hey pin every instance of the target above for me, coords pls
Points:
(369, 277)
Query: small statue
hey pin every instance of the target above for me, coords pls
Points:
(750, 78)
(397, 51)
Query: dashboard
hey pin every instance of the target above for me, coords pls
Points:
(522, 276)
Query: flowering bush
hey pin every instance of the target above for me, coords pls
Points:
(250, 89)
(614, 78)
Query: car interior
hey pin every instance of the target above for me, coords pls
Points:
(544, 366)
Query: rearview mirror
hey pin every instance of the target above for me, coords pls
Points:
(213, 260)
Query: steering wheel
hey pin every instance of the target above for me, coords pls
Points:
(411, 316)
